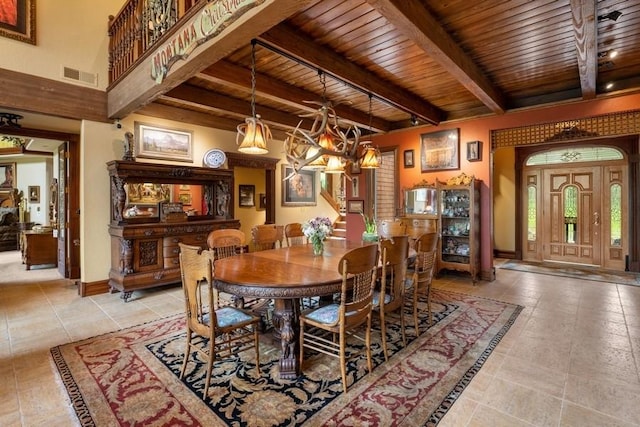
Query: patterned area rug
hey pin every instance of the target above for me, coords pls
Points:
(130, 377)
(578, 272)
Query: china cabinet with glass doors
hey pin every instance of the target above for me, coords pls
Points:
(459, 246)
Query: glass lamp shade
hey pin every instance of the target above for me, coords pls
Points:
(334, 165)
(319, 163)
(371, 158)
(254, 133)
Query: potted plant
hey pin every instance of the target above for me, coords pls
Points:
(370, 233)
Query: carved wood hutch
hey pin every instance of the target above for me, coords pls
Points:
(149, 219)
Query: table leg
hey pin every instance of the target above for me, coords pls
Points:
(285, 319)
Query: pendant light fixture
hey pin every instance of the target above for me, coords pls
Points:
(253, 131)
(371, 158)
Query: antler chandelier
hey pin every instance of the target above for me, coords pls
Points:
(328, 144)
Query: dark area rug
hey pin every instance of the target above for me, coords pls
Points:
(578, 272)
(130, 377)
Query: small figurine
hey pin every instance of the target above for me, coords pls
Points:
(128, 147)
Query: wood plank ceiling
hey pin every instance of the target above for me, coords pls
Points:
(422, 62)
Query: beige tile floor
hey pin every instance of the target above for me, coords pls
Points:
(571, 359)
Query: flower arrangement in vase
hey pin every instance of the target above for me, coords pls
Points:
(316, 230)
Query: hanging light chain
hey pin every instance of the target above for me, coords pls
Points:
(370, 113)
(253, 78)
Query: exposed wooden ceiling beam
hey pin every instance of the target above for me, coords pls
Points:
(34, 94)
(293, 43)
(284, 93)
(168, 112)
(414, 21)
(585, 29)
(162, 111)
(218, 103)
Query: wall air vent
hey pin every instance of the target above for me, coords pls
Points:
(78, 76)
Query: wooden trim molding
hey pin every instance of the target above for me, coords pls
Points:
(86, 289)
(25, 92)
(605, 125)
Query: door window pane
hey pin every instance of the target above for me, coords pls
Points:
(570, 202)
(574, 155)
(616, 215)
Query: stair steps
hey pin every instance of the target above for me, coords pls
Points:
(339, 228)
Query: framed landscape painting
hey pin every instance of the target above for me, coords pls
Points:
(167, 144)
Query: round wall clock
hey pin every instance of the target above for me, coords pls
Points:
(214, 158)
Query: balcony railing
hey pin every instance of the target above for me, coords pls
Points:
(141, 24)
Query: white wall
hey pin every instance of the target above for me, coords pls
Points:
(35, 173)
(72, 33)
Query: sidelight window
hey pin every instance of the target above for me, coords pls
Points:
(532, 213)
(616, 215)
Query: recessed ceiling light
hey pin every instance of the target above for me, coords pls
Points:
(613, 54)
(609, 86)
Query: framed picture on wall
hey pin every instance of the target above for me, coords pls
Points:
(355, 206)
(474, 151)
(185, 198)
(247, 195)
(408, 158)
(18, 20)
(298, 189)
(7, 176)
(34, 194)
(440, 150)
(155, 142)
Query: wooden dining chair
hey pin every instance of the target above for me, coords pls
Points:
(212, 330)
(426, 247)
(390, 298)
(267, 236)
(358, 269)
(389, 228)
(416, 227)
(226, 242)
(294, 235)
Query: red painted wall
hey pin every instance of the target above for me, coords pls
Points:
(479, 129)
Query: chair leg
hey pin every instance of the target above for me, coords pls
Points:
(257, 343)
(415, 312)
(430, 318)
(301, 343)
(187, 352)
(402, 325)
(368, 343)
(343, 361)
(383, 332)
(211, 359)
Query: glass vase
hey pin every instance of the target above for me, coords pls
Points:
(318, 246)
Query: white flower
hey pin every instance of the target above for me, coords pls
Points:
(317, 228)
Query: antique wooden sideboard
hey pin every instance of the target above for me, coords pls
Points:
(153, 208)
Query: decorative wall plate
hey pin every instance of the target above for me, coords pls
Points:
(214, 158)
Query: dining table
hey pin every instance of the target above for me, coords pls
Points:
(285, 275)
